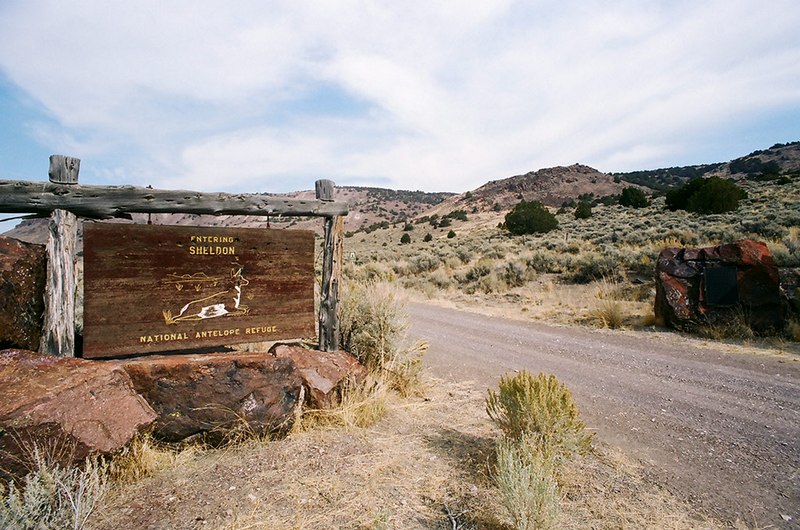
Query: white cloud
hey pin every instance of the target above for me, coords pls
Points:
(446, 95)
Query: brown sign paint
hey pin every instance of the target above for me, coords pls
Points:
(151, 288)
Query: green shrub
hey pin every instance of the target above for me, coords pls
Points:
(405, 239)
(706, 196)
(633, 198)
(451, 234)
(425, 262)
(514, 274)
(530, 218)
(583, 210)
(591, 266)
(477, 272)
(428, 237)
(541, 410)
(459, 215)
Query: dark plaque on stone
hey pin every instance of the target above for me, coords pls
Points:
(721, 287)
(153, 288)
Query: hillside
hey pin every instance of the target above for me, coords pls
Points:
(552, 186)
(780, 159)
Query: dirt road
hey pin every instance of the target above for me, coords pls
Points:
(716, 427)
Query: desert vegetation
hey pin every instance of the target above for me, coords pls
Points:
(596, 271)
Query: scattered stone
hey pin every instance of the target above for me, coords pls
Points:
(718, 285)
(22, 281)
(68, 407)
(216, 395)
(322, 372)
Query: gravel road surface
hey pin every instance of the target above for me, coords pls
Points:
(717, 427)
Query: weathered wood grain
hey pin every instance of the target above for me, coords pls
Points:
(331, 280)
(152, 288)
(331, 272)
(64, 169)
(58, 331)
(324, 189)
(103, 202)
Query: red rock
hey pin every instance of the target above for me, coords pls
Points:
(209, 394)
(22, 281)
(82, 406)
(691, 254)
(322, 372)
(680, 287)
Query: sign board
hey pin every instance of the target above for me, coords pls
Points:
(153, 288)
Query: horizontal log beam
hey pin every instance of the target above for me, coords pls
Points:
(103, 202)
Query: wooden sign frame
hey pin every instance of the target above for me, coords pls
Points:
(63, 199)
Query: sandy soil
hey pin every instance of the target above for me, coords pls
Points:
(716, 425)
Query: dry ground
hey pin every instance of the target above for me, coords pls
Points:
(713, 422)
(425, 465)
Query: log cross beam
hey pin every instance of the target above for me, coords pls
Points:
(104, 202)
(63, 199)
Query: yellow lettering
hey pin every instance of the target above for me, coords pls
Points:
(212, 251)
(260, 329)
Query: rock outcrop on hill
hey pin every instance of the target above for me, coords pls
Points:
(551, 186)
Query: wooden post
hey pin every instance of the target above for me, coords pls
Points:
(331, 273)
(58, 334)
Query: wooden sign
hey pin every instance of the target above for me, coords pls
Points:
(151, 288)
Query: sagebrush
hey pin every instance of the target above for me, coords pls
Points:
(52, 496)
(527, 486)
(540, 410)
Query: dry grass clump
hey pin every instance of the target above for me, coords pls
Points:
(609, 311)
(373, 326)
(358, 405)
(51, 496)
(736, 326)
(141, 458)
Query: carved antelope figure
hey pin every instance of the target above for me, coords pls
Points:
(223, 303)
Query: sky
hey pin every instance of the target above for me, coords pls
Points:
(268, 96)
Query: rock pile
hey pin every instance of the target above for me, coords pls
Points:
(88, 406)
